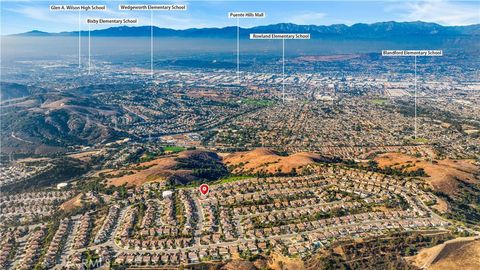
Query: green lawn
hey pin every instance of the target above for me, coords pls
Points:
(378, 101)
(217, 182)
(231, 179)
(173, 149)
(257, 102)
(421, 140)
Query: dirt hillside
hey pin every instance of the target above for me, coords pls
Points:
(74, 202)
(265, 160)
(460, 253)
(443, 174)
(179, 167)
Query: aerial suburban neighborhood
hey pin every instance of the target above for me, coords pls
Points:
(240, 135)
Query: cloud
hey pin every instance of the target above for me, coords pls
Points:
(308, 18)
(439, 11)
(33, 12)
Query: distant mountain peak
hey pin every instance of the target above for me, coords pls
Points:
(35, 33)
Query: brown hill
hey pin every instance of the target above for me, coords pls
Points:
(155, 170)
(182, 168)
(268, 161)
(444, 175)
(460, 253)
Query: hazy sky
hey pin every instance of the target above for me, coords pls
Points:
(22, 16)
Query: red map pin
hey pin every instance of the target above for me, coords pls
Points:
(204, 189)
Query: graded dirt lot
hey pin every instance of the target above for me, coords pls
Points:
(73, 203)
(85, 156)
(443, 174)
(268, 161)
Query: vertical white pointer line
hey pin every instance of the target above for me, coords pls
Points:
(238, 50)
(79, 41)
(415, 59)
(478, 90)
(89, 50)
(283, 70)
(151, 43)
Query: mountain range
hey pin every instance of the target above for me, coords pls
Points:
(359, 30)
